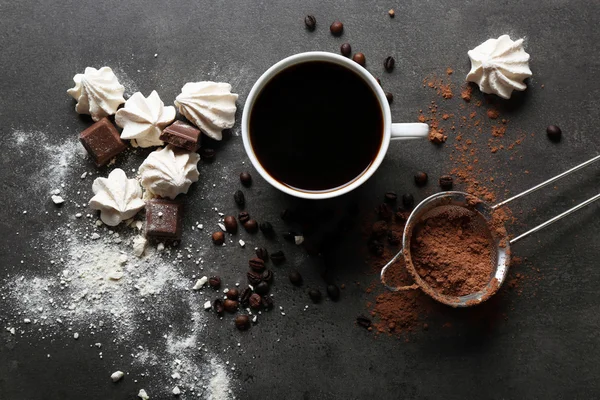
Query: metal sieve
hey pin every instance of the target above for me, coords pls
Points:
(444, 201)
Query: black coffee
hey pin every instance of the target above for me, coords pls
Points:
(316, 126)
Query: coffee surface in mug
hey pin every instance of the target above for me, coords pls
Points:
(316, 126)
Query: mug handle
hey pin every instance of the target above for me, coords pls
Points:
(399, 256)
(411, 130)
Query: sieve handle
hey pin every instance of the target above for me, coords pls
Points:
(553, 220)
(386, 266)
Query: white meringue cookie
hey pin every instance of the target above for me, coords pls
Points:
(169, 171)
(144, 118)
(117, 197)
(98, 92)
(499, 66)
(208, 105)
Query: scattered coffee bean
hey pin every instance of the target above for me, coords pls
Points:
(390, 197)
(420, 178)
(245, 297)
(288, 215)
(346, 49)
(230, 223)
(214, 282)
(251, 226)
(246, 179)
(360, 59)
(408, 201)
(242, 322)
(315, 295)
(257, 264)
(392, 13)
(337, 28)
(363, 321)
(278, 257)
(375, 247)
(267, 276)
(230, 305)
(267, 302)
(232, 294)
(262, 253)
(384, 212)
(295, 278)
(554, 133)
(446, 182)
(311, 22)
(255, 301)
(218, 238)
(262, 288)
(254, 278)
(390, 97)
(266, 228)
(206, 153)
(389, 63)
(243, 217)
(218, 306)
(239, 198)
(333, 292)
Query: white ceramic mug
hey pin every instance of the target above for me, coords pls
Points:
(390, 131)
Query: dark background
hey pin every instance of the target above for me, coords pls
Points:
(548, 344)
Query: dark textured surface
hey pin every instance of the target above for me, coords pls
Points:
(549, 345)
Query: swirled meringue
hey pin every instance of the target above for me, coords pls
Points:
(143, 119)
(499, 66)
(98, 92)
(208, 105)
(169, 171)
(117, 197)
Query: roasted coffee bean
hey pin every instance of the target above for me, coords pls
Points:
(230, 223)
(242, 322)
(257, 264)
(379, 229)
(360, 59)
(245, 297)
(267, 276)
(288, 215)
(255, 301)
(206, 153)
(266, 228)
(333, 292)
(408, 201)
(420, 178)
(390, 97)
(262, 253)
(214, 282)
(251, 226)
(267, 302)
(311, 22)
(446, 182)
(384, 212)
(315, 295)
(254, 278)
(243, 217)
(394, 238)
(218, 306)
(390, 197)
(389, 63)
(295, 278)
(230, 305)
(375, 247)
(239, 198)
(337, 28)
(232, 294)
(262, 288)
(218, 238)
(346, 49)
(246, 179)
(363, 321)
(278, 257)
(554, 133)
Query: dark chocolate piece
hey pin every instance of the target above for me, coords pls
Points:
(181, 135)
(164, 219)
(102, 141)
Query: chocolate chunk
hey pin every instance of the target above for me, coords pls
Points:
(181, 135)
(102, 141)
(164, 219)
